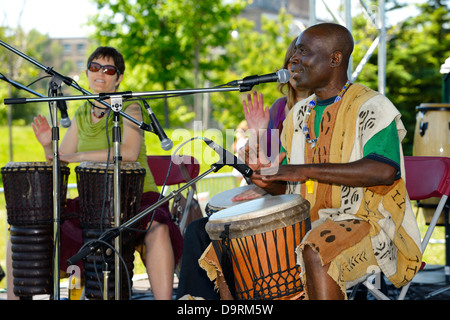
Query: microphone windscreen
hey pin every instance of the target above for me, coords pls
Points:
(283, 75)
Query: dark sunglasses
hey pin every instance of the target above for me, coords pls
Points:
(95, 67)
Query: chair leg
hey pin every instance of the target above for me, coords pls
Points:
(433, 221)
(436, 292)
(358, 292)
(372, 283)
(447, 242)
(403, 292)
(447, 255)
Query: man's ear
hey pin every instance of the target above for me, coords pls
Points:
(336, 59)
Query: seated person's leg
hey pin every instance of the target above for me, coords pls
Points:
(193, 279)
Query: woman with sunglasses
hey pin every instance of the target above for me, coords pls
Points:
(85, 140)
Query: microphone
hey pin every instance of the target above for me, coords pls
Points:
(229, 158)
(62, 106)
(166, 143)
(281, 76)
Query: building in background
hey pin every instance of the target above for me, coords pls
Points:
(299, 9)
(72, 60)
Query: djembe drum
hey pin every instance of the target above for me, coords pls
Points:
(224, 200)
(432, 138)
(29, 204)
(255, 244)
(96, 193)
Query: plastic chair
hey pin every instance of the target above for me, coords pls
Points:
(426, 177)
(183, 169)
(159, 166)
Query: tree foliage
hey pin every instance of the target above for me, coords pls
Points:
(15, 68)
(168, 41)
(252, 53)
(176, 44)
(416, 49)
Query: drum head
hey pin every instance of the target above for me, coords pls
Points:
(223, 200)
(102, 165)
(424, 107)
(260, 215)
(29, 164)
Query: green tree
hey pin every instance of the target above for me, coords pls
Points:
(15, 68)
(19, 70)
(415, 49)
(252, 53)
(415, 53)
(169, 42)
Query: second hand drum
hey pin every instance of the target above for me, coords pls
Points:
(97, 215)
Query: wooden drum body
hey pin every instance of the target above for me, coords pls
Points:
(432, 132)
(91, 179)
(255, 243)
(29, 204)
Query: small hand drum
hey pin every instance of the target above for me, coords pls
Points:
(255, 243)
(91, 189)
(29, 205)
(29, 192)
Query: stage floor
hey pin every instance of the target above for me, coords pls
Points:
(423, 287)
(426, 282)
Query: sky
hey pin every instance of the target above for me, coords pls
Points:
(57, 18)
(66, 18)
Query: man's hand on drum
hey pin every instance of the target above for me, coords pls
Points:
(250, 194)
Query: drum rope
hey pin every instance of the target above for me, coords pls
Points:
(226, 259)
(270, 278)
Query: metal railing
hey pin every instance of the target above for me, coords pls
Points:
(208, 187)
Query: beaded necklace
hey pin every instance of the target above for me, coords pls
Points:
(309, 182)
(102, 114)
(311, 106)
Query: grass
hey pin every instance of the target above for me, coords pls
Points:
(27, 149)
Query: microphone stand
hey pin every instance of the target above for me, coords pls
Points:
(55, 84)
(128, 94)
(20, 86)
(116, 106)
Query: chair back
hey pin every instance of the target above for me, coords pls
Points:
(159, 166)
(427, 177)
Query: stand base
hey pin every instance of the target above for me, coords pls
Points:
(95, 263)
